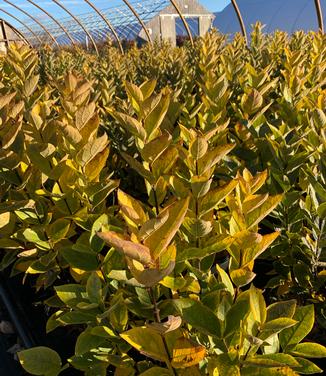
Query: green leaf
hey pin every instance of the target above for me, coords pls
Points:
(227, 365)
(193, 313)
(156, 371)
(272, 360)
(153, 225)
(58, 230)
(77, 318)
(279, 324)
(71, 294)
(94, 288)
(306, 318)
(235, 315)
(80, 257)
(87, 342)
(200, 185)
(281, 310)
(272, 371)
(147, 341)
(137, 166)
(306, 367)
(322, 210)
(40, 361)
(309, 350)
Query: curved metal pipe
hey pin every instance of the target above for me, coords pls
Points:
(35, 20)
(79, 23)
(25, 26)
(185, 23)
(134, 12)
(17, 32)
(242, 25)
(319, 16)
(55, 20)
(108, 23)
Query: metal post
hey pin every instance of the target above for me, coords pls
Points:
(22, 23)
(139, 20)
(319, 16)
(34, 19)
(185, 23)
(108, 23)
(5, 38)
(79, 23)
(242, 25)
(55, 20)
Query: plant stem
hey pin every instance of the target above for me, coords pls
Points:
(158, 320)
(154, 302)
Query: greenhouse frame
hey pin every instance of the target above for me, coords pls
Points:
(59, 23)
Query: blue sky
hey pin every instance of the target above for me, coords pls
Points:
(215, 5)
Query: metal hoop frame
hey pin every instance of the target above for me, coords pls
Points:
(108, 23)
(79, 23)
(54, 20)
(24, 25)
(15, 30)
(183, 19)
(174, 3)
(240, 19)
(149, 38)
(319, 16)
(35, 20)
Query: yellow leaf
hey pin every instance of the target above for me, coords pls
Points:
(131, 210)
(242, 277)
(149, 276)
(84, 114)
(96, 165)
(155, 148)
(158, 240)
(147, 341)
(133, 250)
(257, 304)
(187, 353)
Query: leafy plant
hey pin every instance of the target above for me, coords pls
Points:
(126, 180)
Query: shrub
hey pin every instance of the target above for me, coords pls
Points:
(121, 187)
